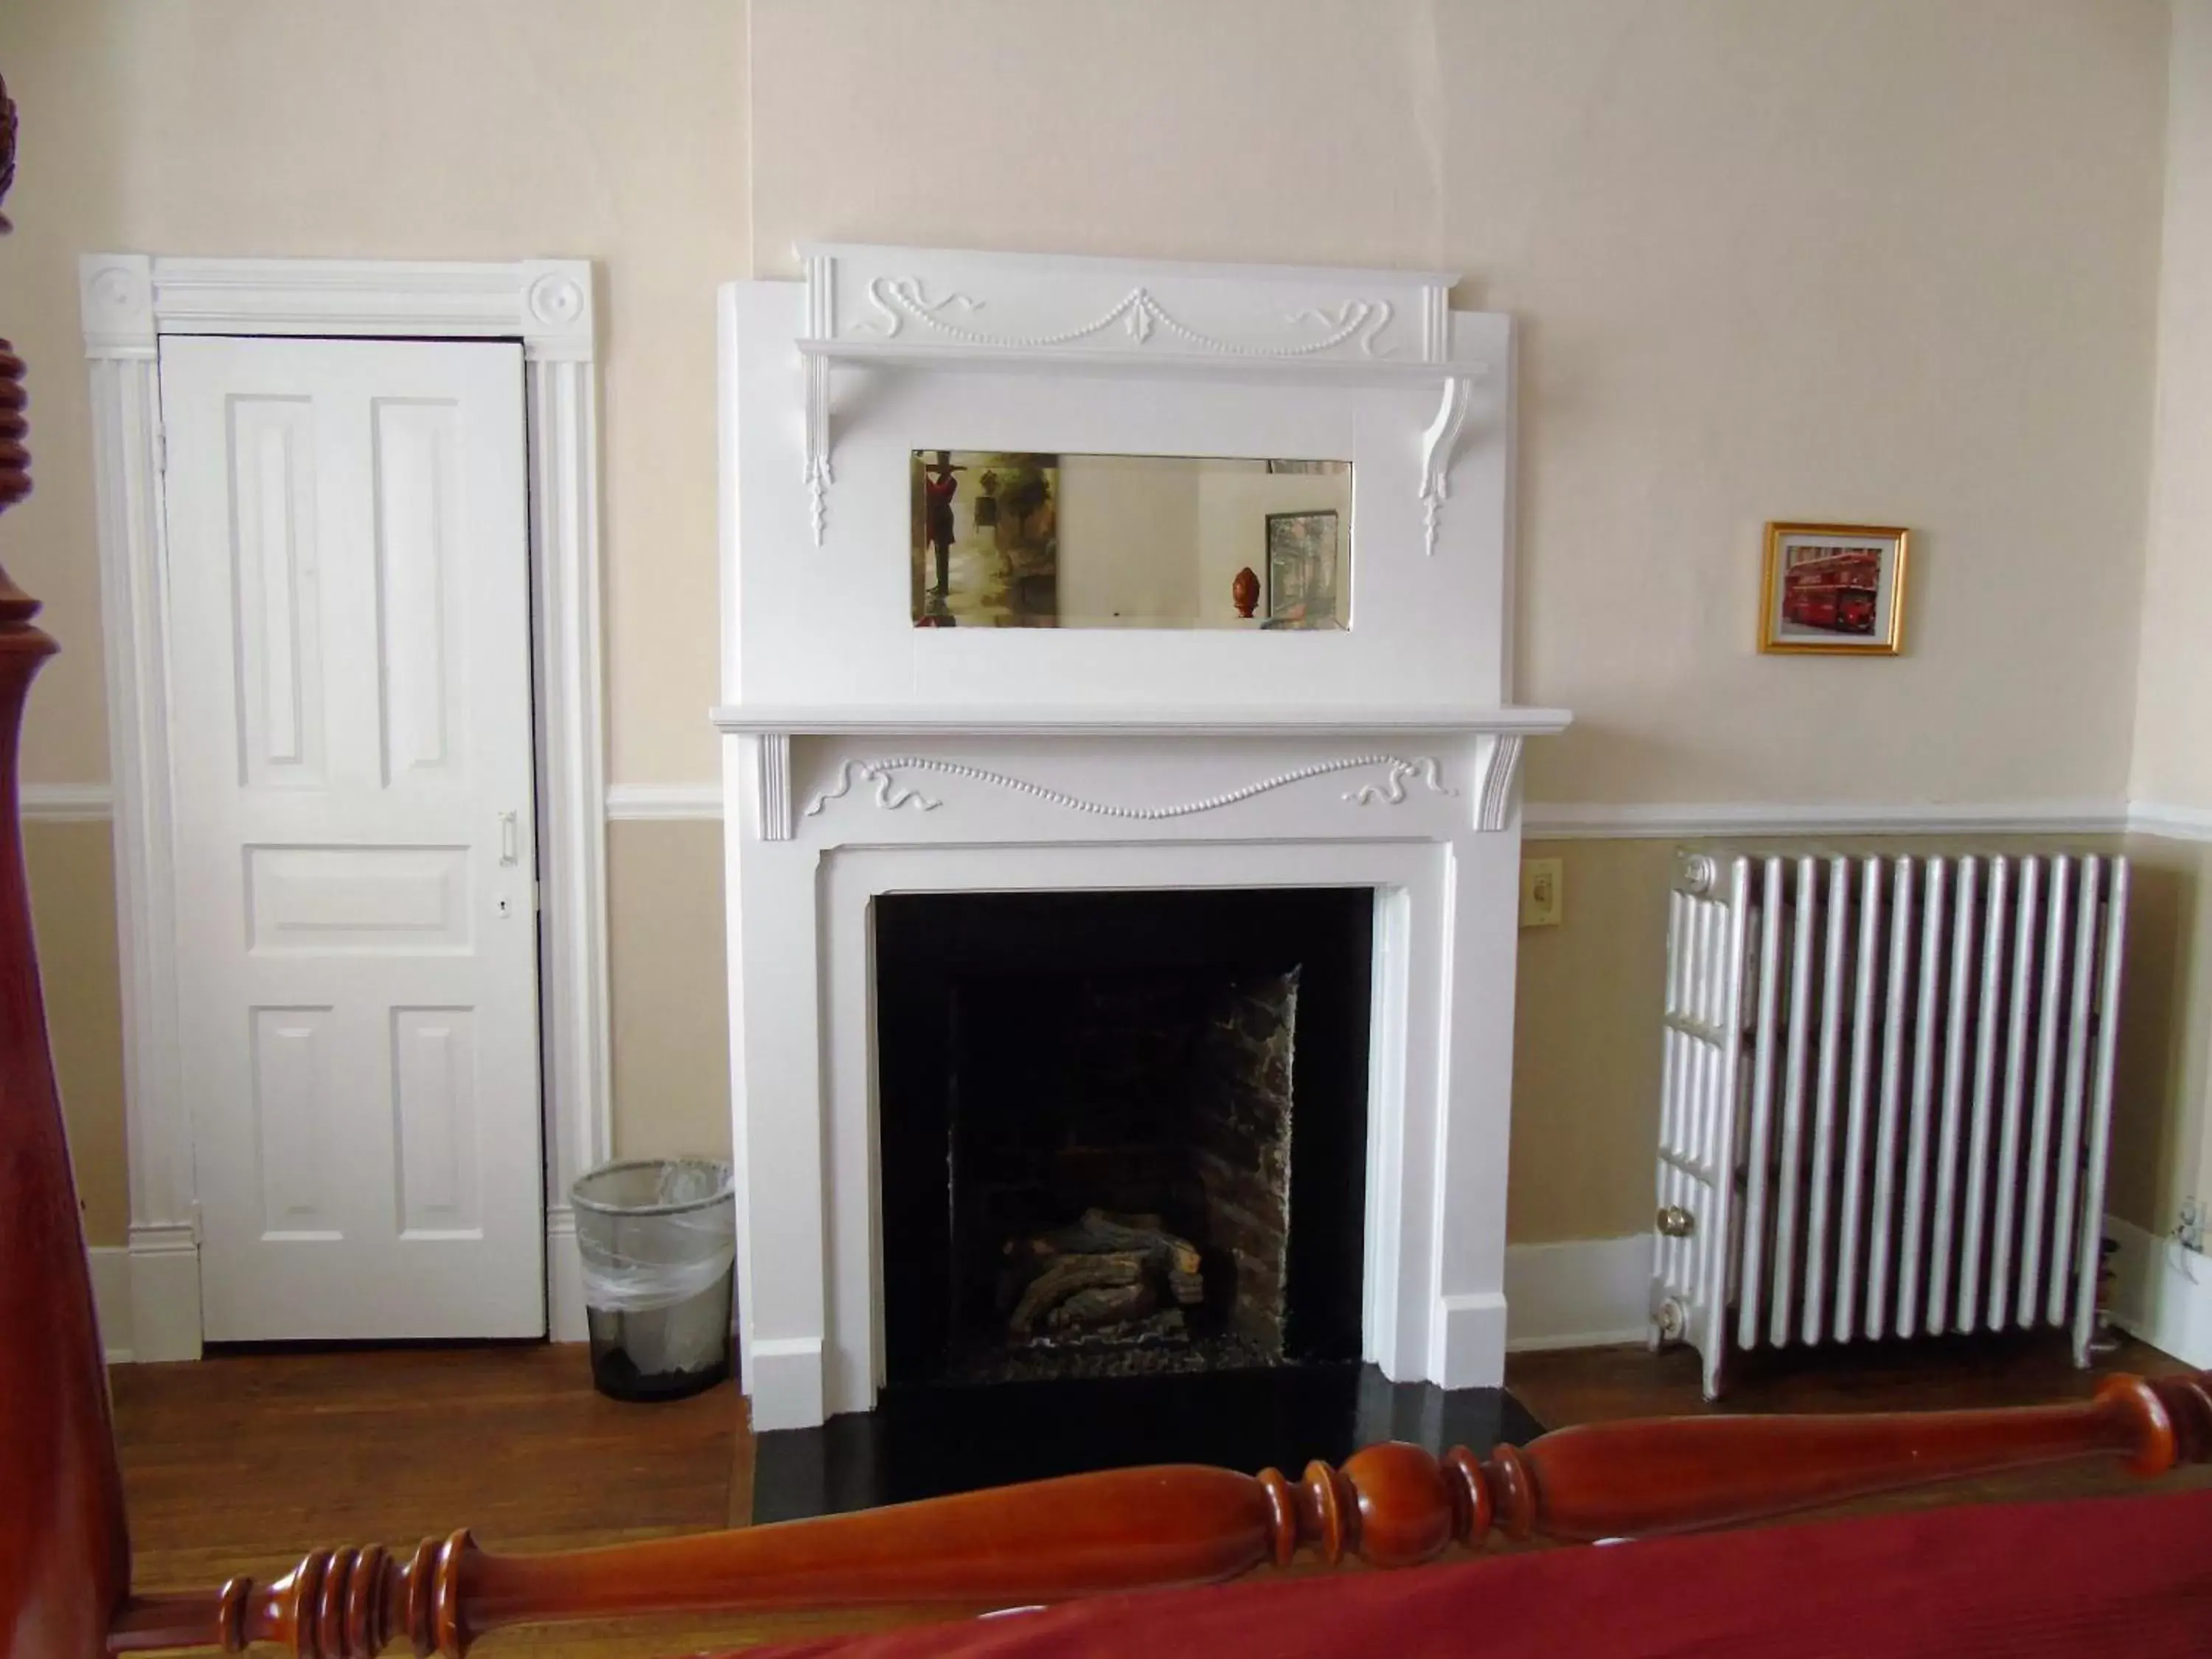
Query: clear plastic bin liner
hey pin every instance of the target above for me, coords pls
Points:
(658, 1239)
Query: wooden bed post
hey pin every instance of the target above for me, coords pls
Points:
(65, 1557)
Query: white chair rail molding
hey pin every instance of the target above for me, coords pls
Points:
(1055, 576)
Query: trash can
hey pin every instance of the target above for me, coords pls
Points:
(659, 1241)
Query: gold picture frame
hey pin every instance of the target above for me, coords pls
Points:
(1835, 590)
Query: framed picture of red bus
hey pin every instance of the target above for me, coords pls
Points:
(1838, 588)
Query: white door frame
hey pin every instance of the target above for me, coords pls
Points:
(129, 300)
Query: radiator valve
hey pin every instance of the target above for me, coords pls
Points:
(1697, 873)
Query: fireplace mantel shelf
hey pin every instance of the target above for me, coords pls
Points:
(1006, 360)
(914, 721)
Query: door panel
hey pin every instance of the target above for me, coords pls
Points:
(348, 596)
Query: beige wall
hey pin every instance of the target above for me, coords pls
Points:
(73, 908)
(1854, 258)
(2159, 1111)
(1864, 259)
(408, 129)
(1586, 1047)
(2172, 756)
(670, 989)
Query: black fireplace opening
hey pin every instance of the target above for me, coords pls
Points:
(1122, 1133)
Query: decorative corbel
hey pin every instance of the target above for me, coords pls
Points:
(772, 780)
(818, 474)
(1438, 446)
(1494, 806)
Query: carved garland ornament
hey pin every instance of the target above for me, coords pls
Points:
(903, 298)
(891, 793)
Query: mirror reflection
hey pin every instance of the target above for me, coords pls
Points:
(1006, 539)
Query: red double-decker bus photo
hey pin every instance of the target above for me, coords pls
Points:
(1834, 591)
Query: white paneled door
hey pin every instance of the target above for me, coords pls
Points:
(349, 590)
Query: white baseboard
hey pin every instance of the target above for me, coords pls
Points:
(783, 1383)
(1594, 1292)
(2162, 1293)
(1580, 1293)
(111, 1299)
(1466, 1346)
(165, 1293)
(149, 1294)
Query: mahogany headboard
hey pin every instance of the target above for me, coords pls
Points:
(65, 1551)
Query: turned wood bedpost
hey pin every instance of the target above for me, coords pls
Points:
(64, 1559)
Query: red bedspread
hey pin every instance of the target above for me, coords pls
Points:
(2127, 1577)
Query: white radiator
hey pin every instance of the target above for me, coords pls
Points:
(1887, 1096)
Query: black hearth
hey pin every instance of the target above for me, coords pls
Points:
(1122, 1133)
(924, 1440)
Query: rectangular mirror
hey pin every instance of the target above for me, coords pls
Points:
(1003, 539)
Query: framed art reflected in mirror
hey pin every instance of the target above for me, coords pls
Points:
(1301, 570)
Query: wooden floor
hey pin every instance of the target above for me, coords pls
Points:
(238, 1463)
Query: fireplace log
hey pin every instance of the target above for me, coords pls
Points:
(1103, 1306)
(1105, 1270)
(1073, 1276)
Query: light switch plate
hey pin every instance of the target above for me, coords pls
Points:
(1543, 892)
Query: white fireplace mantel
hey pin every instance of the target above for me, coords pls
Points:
(864, 756)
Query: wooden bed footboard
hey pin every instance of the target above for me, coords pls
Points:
(64, 1549)
(1391, 1505)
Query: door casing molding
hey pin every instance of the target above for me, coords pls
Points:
(128, 301)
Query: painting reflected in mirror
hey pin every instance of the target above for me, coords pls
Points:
(1019, 539)
(987, 539)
